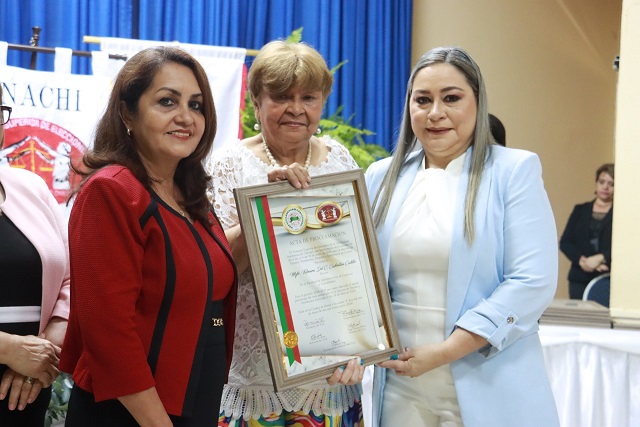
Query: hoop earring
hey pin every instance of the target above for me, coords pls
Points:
(257, 127)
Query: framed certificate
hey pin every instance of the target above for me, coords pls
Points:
(319, 282)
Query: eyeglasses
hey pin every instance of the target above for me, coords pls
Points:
(6, 113)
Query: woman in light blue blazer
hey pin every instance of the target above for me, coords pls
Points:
(468, 242)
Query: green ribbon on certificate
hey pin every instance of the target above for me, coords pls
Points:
(279, 288)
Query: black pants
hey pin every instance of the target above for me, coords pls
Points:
(576, 290)
(85, 412)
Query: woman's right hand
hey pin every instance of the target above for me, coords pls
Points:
(31, 356)
(296, 174)
(350, 374)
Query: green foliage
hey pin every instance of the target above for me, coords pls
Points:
(60, 393)
(248, 117)
(352, 138)
(333, 125)
(295, 36)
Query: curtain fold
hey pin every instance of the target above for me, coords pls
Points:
(372, 36)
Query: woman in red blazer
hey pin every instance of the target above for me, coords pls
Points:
(152, 279)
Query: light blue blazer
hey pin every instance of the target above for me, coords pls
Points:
(497, 288)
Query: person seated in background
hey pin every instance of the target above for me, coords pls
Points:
(153, 282)
(34, 297)
(497, 130)
(289, 84)
(586, 239)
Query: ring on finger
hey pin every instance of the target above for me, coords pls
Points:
(29, 380)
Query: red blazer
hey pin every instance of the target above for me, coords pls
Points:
(141, 276)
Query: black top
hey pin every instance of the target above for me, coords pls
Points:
(21, 279)
(585, 235)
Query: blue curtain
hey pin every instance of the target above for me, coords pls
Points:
(372, 36)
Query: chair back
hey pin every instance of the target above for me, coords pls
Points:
(598, 290)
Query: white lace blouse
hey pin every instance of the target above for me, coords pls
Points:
(249, 393)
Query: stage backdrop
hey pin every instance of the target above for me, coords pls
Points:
(54, 115)
(52, 121)
(224, 66)
(373, 36)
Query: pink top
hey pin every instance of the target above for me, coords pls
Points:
(32, 208)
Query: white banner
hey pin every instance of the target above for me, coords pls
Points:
(52, 122)
(223, 65)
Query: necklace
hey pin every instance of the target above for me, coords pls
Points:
(273, 161)
(175, 205)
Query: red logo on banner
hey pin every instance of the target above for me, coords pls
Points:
(44, 148)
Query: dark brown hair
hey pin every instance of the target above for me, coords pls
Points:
(112, 144)
(607, 168)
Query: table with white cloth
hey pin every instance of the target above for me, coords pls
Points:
(594, 374)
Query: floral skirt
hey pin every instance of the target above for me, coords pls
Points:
(350, 418)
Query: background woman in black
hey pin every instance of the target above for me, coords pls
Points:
(586, 239)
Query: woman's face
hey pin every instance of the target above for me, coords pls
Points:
(443, 113)
(169, 122)
(1, 125)
(604, 187)
(291, 117)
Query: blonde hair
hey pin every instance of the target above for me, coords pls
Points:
(407, 140)
(281, 65)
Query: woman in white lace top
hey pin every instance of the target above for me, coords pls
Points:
(289, 83)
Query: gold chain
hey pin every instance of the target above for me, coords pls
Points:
(176, 206)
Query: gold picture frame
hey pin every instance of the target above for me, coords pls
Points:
(319, 282)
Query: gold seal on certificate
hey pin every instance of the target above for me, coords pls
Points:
(290, 339)
(329, 213)
(294, 219)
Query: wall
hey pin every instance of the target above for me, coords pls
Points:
(548, 69)
(625, 303)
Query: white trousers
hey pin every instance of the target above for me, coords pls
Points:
(429, 400)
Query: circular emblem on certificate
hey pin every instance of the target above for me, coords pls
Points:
(329, 213)
(294, 219)
(290, 339)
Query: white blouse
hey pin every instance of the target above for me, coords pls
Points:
(422, 237)
(421, 243)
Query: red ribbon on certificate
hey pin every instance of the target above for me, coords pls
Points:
(274, 270)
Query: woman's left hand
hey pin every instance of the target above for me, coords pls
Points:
(297, 175)
(416, 361)
(423, 358)
(22, 392)
(350, 374)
